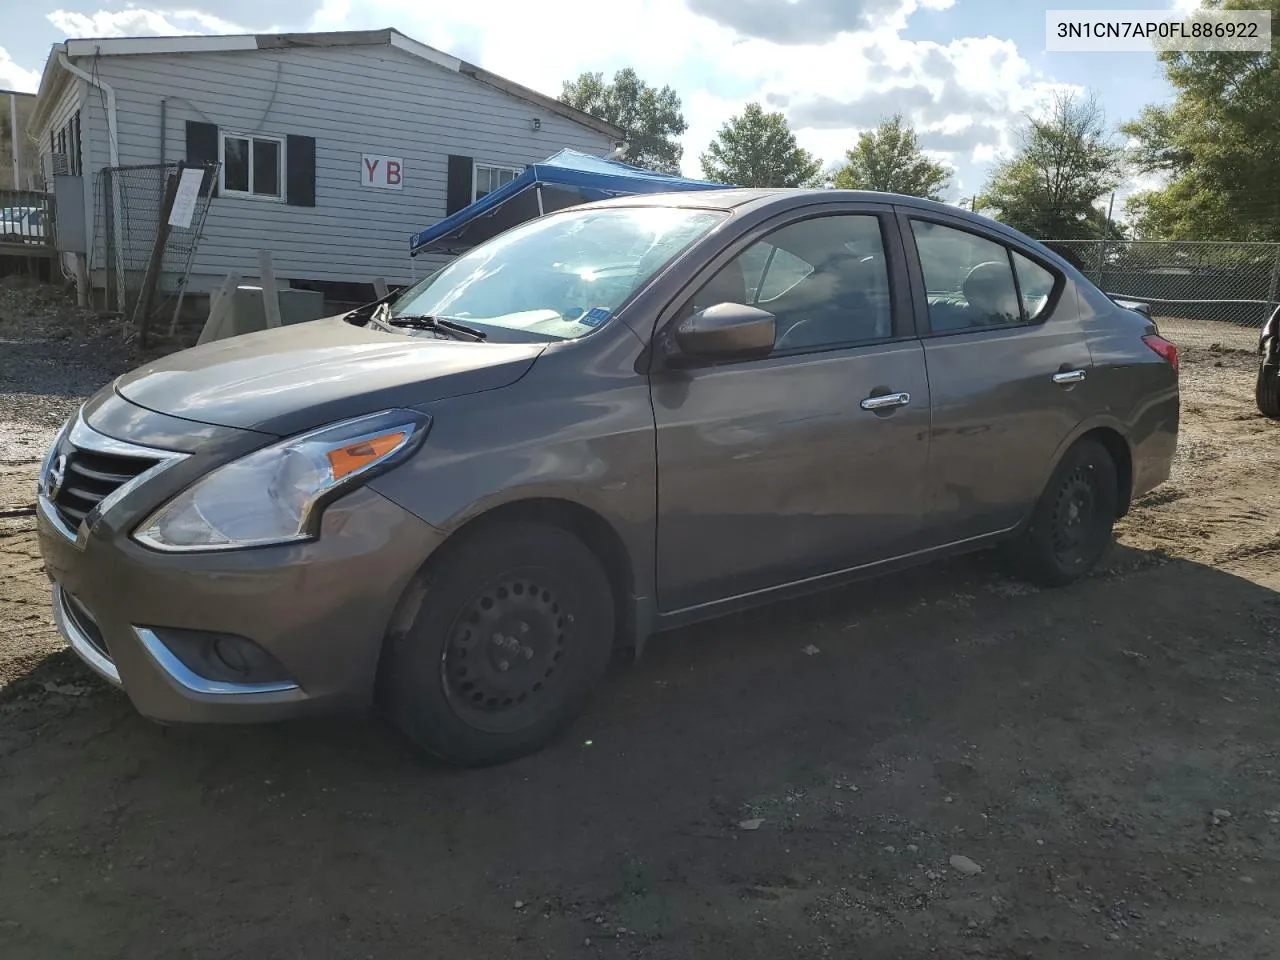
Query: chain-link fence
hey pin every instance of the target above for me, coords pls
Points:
(146, 259)
(1229, 282)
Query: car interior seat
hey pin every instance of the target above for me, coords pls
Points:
(991, 294)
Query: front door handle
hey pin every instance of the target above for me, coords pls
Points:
(886, 401)
(1067, 377)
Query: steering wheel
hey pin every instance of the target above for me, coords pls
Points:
(807, 332)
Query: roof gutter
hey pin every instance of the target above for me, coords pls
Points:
(113, 141)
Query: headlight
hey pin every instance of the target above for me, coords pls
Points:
(275, 495)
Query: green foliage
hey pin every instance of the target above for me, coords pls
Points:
(1064, 164)
(1217, 143)
(889, 159)
(758, 149)
(651, 117)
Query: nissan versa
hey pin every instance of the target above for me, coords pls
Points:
(609, 421)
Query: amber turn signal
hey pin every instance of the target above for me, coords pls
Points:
(355, 456)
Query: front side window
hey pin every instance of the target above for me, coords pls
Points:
(968, 279)
(489, 178)
(252, 166)
(560, 276)
(825, 280)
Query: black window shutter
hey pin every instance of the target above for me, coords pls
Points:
(458, 193)
(202, 148)
(300, 171)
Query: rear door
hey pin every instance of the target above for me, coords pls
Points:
(1008, 367)
(811, 460)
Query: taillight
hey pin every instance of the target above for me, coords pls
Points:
(1163, 347)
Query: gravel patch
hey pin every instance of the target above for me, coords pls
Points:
(52, 356)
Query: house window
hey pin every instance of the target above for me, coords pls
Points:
(490, 177)
(252, 166)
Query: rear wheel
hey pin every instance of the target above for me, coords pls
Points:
(514, 628)
(1268, 393)
(1071, 527)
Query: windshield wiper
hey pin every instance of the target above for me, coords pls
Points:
(425, 322)
(371, 311)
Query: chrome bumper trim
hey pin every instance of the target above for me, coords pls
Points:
(79, 642)
(189, 680)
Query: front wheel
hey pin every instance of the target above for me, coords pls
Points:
(1070, 530)
(513, 630)
(1268, 392)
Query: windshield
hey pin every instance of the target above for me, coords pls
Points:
(560, 276)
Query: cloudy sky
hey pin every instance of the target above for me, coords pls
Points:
(964, 72)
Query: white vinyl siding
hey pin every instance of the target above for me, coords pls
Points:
(353, 101)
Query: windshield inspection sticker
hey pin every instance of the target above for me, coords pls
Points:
(594, 317)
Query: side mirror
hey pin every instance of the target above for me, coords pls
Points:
(726, 331)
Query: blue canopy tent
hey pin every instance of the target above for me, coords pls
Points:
(564, 180)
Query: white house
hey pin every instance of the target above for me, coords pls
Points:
(335, 147)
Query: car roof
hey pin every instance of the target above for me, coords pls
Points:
(769, 200)
(778, 199)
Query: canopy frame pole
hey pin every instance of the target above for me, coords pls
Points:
(541, 212)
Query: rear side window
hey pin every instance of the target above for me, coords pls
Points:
(968, 279)
(1036, 284)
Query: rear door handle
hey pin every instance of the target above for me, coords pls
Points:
(1068, 377)
(886, 401)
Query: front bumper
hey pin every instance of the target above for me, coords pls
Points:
(320, 608)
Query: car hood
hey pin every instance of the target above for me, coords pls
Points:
(293, 378)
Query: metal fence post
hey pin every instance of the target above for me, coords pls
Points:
(1275, 280)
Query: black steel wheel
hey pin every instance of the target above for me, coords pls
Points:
(1070, 529)
(502, 659)
(1073, 528)
(514, 628)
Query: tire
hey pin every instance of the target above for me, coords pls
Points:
(513, 630)
(1268, 392)
(1070, 530)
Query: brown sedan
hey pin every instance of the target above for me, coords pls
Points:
(606, 422)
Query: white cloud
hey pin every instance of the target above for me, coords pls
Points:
(136, 22)
(14, 77)
(974, 89)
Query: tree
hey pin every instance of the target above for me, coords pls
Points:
(652, 118)
(1216, 144)
(1064, 164)
(758, 149)
(889, 159)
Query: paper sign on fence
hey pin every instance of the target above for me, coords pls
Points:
(184, 201)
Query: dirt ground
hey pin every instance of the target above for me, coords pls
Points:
(1106, 757)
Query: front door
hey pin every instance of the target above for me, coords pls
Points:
(811, 460)
(1009, 372)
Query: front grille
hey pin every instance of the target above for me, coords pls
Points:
(83, 622)
(89, 477)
